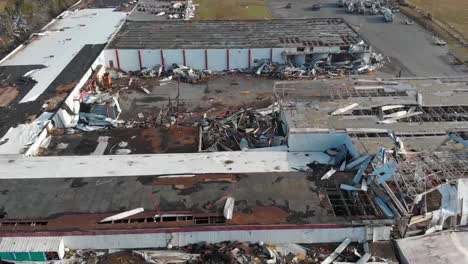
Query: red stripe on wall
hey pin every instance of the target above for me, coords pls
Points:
(206, 59)
(140, 60)
(227, 60)
(162, 60)
(183, 55)
(180, 230)
(117, 57)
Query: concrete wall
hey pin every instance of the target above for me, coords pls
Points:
(128, 60)
(302, 140)
(217, 59)
(153, 240)
(238, 58)
(150, 58)
(195, 58)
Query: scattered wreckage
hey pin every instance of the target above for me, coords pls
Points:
(236, 252)
(241, 130)
(172, 10)
(371, 7)
(321, 68)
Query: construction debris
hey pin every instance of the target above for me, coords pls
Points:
(370, 7)
(170, 9)
(241, 130)
(122, 215)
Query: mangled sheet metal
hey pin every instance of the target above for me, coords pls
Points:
(241, 130)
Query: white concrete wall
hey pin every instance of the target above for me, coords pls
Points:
(109, 55)
(155, 240)
(259, 54)
(217, 59)
(319, 142)
(238, 58)
(195, 58)
(128, 60)
(150, 58)
(173, 56)
(278, 55)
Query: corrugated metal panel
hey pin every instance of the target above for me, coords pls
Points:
(30, 244)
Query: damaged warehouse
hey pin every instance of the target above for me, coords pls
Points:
(238, 45)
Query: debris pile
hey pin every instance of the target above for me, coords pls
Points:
(241, 130)
(237, 252)
(371, 7)
(187, 74)
(171, 10)
(99, 106)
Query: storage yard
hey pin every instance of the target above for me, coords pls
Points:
(235, 132)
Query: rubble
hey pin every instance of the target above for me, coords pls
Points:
(267, 68)
(241, 130)
(233, 252)
(370, 7)
(169, 9)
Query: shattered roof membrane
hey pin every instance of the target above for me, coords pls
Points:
(280, 33)
(62, 40)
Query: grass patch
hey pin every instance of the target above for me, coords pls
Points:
(452, 12)
(232, 9)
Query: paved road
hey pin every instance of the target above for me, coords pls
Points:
(409, 47)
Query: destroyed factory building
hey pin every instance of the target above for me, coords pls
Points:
(105, 146)
(234, 45)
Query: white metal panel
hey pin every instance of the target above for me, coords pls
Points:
(110, 58)
(195, 58)
(117, 241)
(30, 244)
(238, 58)
(278, 55)
(57, 48)
(259, 54)
(217, 59)
(314, 235)
(150, 58)
(129, 60)
(173, 56)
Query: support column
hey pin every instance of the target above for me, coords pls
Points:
(140, 60)
(250, 58)
(184, 57)
(117, 58)
(227, 60)
(206, 59)
(271, 55)
(162, 60)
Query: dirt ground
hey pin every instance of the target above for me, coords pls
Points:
(452, 12)
(232, 9)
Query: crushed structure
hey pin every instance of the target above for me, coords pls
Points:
(129, 141)
(274, 46)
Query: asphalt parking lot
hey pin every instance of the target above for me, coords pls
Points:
(409, 48)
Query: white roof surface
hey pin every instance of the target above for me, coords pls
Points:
(30, 244)
(17, 166)
(61, 41)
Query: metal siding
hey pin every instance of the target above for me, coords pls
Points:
(195, 58)
(129, 60)
(278, 55)
(325, 235)
(30, 244)
(173, 56)
(116, 241)
(109, 55)
(239, 58)
(259, 54)
(151, 58)
(217, 60)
